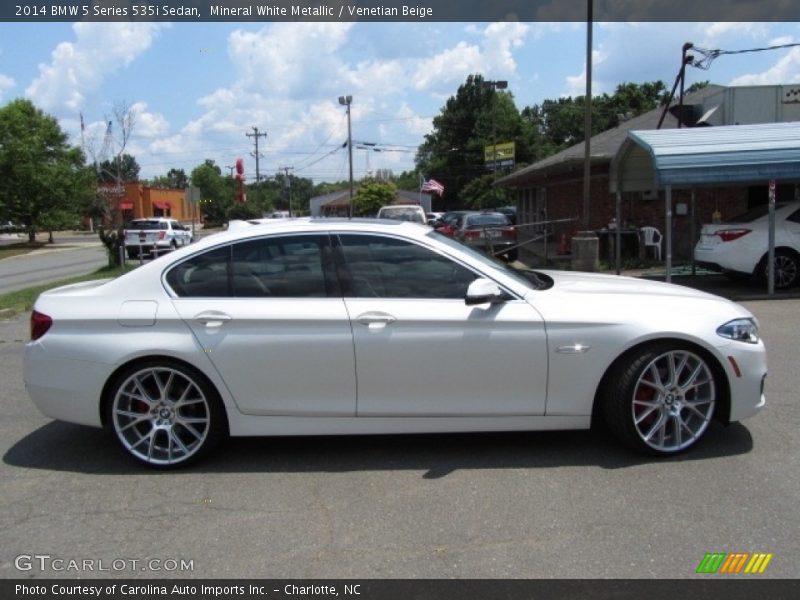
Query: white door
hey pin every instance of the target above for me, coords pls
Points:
(421, 351)
(270, 318)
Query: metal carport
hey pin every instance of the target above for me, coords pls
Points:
(705, 156)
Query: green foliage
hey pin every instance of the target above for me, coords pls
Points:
(242, 210)
(372, 195)
(43, 180)
(560, 123)
(480, 193)
(216, 192)
(175, 179)
(122, 168)
(477, 116)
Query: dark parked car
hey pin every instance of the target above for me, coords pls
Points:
(490, 232)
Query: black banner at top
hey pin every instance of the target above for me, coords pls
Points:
(398, 10)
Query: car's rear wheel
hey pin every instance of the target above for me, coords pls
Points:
(661, 399)
(787, 269)
(165, 414)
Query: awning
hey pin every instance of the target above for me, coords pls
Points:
(685, 158)
(126, 205)
(161, 205)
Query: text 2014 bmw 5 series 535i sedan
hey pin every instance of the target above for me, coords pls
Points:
(345, 327)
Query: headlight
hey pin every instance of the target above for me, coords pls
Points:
(740, 330)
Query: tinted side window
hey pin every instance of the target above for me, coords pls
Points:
(383, 267)
(281, 267)
(205, 275)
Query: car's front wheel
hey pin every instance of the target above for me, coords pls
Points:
(661, 399)
(165, 414)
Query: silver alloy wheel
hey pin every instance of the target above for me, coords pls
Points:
(673, 401)
(161, 415)
(785, 271)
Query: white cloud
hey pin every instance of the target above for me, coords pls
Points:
(148, 124)
(786, 70)
(287, 78)
(576, 84)
(78, 68)
(6, 83)
(715, 34)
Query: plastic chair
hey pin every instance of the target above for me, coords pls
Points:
(652, 237)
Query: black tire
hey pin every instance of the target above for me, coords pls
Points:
(164, 414)
(656, 416)
(787, 269)
(133, 254)
(512, 254)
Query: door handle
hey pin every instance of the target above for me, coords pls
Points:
(375, 320)
(212, 319)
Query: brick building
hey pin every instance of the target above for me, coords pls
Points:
(552, 189)
(134, 200)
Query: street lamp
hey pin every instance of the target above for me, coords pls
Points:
(494, 86)
(347, 101)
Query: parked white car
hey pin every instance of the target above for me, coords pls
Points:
(160, 234)
(403, 212)
(328, 326)
(741, 244)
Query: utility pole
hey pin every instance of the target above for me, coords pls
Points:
(288, 185)
(256, 135)
(347, 101)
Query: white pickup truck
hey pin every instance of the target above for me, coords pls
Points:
(156, 235)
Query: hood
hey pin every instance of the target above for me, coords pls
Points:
(593, 283)
(588, 297)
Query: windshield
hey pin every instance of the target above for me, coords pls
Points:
(402, 214)
(529, 279)
(483, 220)
(146, 225)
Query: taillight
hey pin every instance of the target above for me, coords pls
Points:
(162, 235)
(728, 235)
(40, 324)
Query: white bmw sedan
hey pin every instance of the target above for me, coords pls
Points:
(306, 327)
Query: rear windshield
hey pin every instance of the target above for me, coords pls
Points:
(402, 214)
(146, 225)
(484, 220)
(753, 214)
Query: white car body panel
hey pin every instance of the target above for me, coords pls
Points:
(290, 366)
(743, 254)
(422, 363)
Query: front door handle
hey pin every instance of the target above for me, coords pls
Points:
(212, 319)
(375, 320)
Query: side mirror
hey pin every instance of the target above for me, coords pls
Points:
(483, 291)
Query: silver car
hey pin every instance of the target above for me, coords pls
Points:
(307, 327)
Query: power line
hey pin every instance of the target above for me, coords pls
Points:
(709, 56)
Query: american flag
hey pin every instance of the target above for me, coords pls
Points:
(431, 185)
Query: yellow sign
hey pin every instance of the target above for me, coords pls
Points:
(502, 154)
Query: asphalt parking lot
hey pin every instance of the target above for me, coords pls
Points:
(531, 505)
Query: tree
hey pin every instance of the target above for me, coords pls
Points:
(371, 196)
(558, 124)
(41, 175)
(123, 168)
(477, 116)
(216, 192)
(119, 168)
(174, 179)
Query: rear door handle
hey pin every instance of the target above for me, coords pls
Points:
(375, 320)
(212, 319)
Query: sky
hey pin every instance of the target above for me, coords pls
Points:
(197, 89)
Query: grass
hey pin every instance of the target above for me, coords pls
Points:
(21, 248)
(13, 303)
